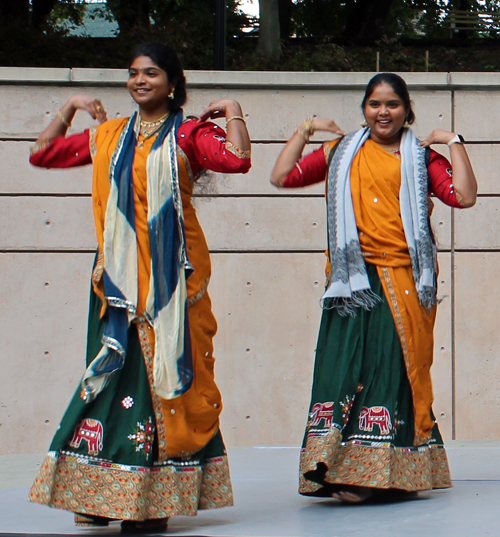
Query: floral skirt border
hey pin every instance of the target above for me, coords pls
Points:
(326, 460)
(122, 492)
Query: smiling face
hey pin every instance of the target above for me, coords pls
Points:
(385, 114)
(149, 87)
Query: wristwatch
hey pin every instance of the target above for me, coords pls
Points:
(457, 139)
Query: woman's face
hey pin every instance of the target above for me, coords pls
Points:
(148, 85)
(385, 114)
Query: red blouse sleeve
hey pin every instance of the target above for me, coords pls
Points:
(63, 152)
(309, 170)
(441, 180)
(206, 147)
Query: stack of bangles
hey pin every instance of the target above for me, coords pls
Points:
(241, 118)
(306, 130)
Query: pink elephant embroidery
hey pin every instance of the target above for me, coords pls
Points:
(92, 432)
(378, 415)
(322, 411)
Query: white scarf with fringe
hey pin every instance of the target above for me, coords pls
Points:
(348, 286)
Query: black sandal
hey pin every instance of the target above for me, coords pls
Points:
(152, 525)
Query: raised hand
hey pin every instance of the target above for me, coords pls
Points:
(92, 105)
(221, 108)
(326, 125)
(438, 136)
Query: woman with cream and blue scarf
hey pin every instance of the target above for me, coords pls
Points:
(371, 428)
(140, 441)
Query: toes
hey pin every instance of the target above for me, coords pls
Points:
(353, 497)
(350, 497)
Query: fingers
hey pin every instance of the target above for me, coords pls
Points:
(336, 129)
(93, 106)
(327, 125)
(100, 113)
(214, 110)
(96, 109)
(221, 108)
(438, 136)
(211, 113)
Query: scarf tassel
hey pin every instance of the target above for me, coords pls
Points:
(348, 305)
(428, 299)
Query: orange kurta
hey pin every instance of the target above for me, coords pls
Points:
(191, 420)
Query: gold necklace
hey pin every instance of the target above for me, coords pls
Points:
(140, 144)
(145, 125)
(395, 152)
(155, 125)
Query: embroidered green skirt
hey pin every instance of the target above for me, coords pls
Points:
(360, 429)
(103, 460)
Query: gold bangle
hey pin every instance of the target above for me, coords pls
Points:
(304, 133)
(236, 117)
(306, 130)
(63, 119)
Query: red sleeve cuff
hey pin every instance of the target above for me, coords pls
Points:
(206, 147)
(441, 179)
(63, 152)
(309, 170)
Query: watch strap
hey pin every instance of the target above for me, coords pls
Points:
(457, 139)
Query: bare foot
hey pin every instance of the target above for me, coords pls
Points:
(354, 495)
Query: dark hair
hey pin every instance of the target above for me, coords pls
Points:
(399, 87)
(166, 58)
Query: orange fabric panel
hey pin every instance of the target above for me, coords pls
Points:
(106, 139)
(375, 184)
(415, 328)
(195, 419)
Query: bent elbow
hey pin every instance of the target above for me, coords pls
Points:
(465, 203)
(35, 160)
(241, 167)
(246, 166)
(273, 181)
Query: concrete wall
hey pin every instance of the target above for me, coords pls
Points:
(267, 251)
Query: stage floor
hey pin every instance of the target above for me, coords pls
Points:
(267, 503)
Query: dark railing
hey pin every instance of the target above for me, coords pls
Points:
(473, 21)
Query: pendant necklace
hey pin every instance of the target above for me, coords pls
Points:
(146, 125)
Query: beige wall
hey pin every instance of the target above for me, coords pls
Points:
(267, 251)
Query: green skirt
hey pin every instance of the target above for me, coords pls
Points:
(360, 429)
(104, 459)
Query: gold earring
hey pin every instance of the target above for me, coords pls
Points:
(171, 94)
(406, 124)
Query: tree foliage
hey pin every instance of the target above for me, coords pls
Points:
(294, 34)
(367, 21)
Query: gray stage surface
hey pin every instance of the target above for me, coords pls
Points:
(267, 504)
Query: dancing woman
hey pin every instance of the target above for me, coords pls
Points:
(140, 441)
(371, 427)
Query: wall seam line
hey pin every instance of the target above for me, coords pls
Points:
(453, 318)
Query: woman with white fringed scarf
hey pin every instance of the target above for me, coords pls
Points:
(371, 430)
